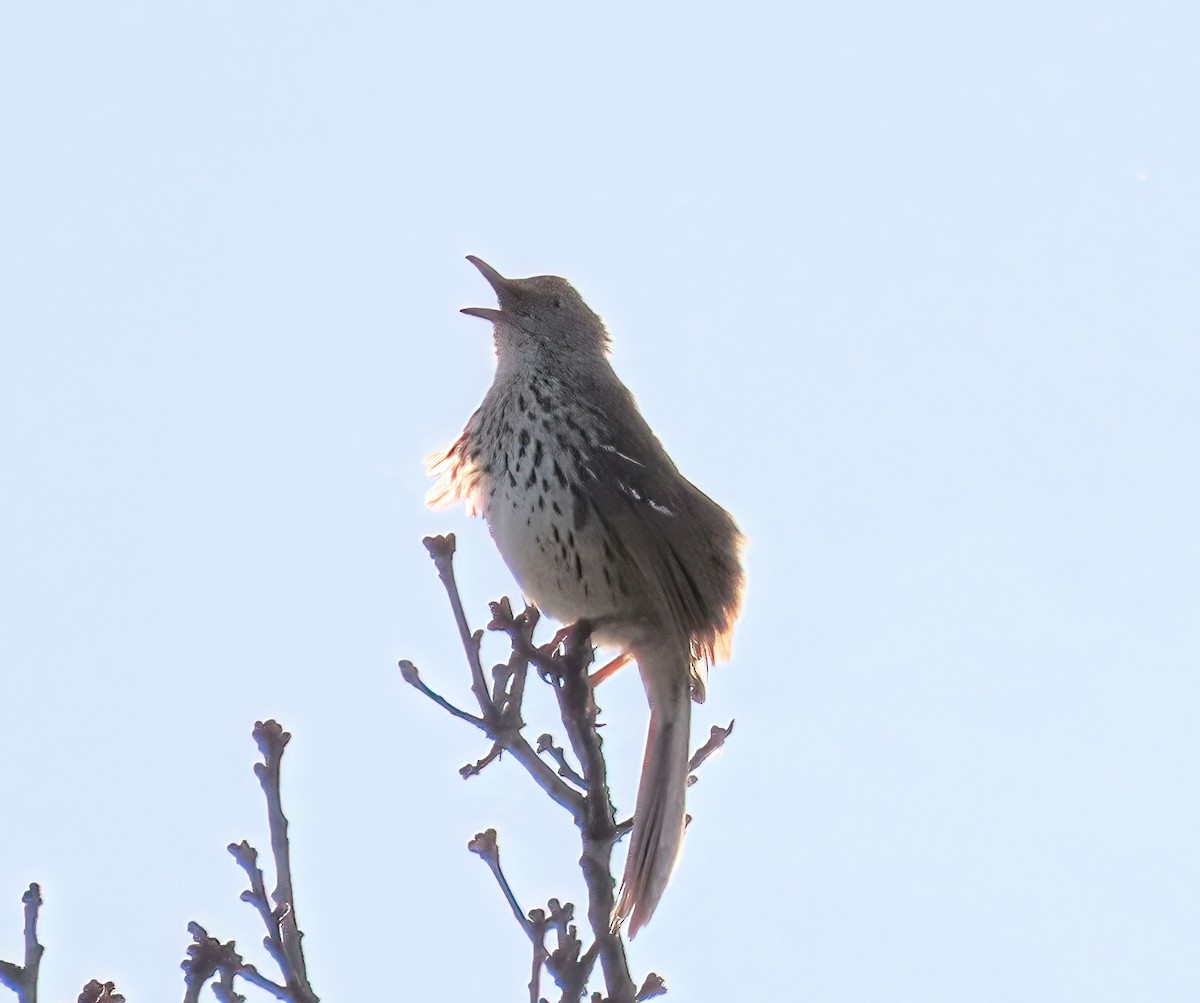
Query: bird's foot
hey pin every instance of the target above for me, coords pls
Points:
(564, 647)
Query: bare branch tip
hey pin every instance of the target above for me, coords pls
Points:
(486, 846)
(502, 614)
(271, 738)
(655, 985)
(100, 992)
(440, 547)
(474, 769)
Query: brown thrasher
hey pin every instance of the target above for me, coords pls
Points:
(598, 524)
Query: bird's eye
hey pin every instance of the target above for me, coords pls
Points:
(557, 303)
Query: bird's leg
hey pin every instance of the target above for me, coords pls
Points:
(597, 677)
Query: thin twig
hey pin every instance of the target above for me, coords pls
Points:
(256, 895)
(503, 728)
(207, 957)
(32, 900)
(441, 549)
(223, 988)
(272, 740)
(476, 768)
(519, 630)
(23, 979)
(537, 919)
(559, 791)
(716, 739)
(524, 623)
(411, 676)
(654, 985)
(590, 805)
(100, 992)
(256, 978)
(563, 962)
(485, 846)
(565, 769)
(598, 827)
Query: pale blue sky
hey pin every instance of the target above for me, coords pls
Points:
(910, 288)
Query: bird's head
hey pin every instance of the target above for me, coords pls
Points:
(543, 313)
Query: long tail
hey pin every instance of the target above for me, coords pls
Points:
(658, 818)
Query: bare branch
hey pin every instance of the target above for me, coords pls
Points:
(208, 958)
(256, 895)
(409, 672)
(22, 979)
(598, 827)
(583, 791)
(523, 624)
(546, 745)
(100, 992)
(537, 919)
(520, 634)
(474, 769)
(485, 846)
(284, 932)
(502, 724)
(441, 549)
(563, 962)
(716, 740)
(547, 779)
(653, 986)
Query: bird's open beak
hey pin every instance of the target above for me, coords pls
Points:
(497, 281)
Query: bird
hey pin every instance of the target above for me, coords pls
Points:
(597, 524)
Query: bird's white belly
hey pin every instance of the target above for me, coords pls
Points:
(541, 548)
